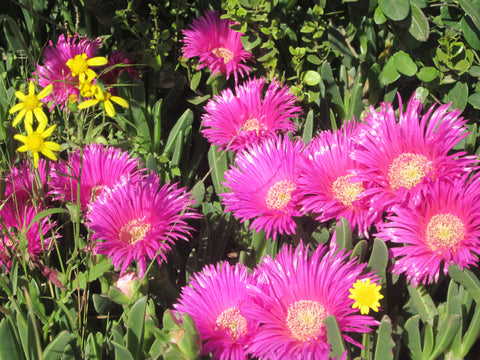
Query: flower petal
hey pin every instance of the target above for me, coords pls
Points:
(20, 95)
(109, 108)
(23, 148)
(118, 100)
(52, 146)
(48, 153)
(19, 117)
(48, 132)
(88, 103)
(47, 90)
(40, 115)
(97, 61)
(15, 108)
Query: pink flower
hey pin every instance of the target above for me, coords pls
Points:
(263, 186)
(327, 184)
(301, 292)
(21, 185)
(101, 167)
(403, 158)
(236, 121)
(118, 62)
(444, 228)
(55, 70)
(139, 220)
(215, 299)
(217, 46)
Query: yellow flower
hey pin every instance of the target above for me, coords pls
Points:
(106, 98)
(80, 66)
(366, 296)
(35, 142)
(30, 105)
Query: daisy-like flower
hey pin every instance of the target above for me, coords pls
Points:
(215, 299)
(55, 70)
(139, 220)
(300, 293)
(248, 117)
(327, 184)
(366, 295)
(80, 66)
(35, 142)
(99, 168)
(21, 184)
(263, 186)
(443, 229)
(217, 46)
(403, 157)
(106, 98)
(30, 105)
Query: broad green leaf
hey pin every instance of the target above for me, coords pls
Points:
(470, 32)
(379, 258)
(379, 16)
(396, 10)
(136, 327)
(9, 347)
(472, 9)
(121, 352)
(419, 27)
(422, 301)
(474, 100)
(427, 74)
(468, 279)
(458, 95)
(389, 72)
(334, 336)
(404, 63)
(55, 348)
(195, 80)
(312, 78)
(385, 344)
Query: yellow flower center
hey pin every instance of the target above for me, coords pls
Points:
(30, 102)
(366, 295)
(221, 52)
(280, 194)
(72, 98)
(408, 170)
(78, 64)
(231, 320)
(35, 142)
(346, 191)
(305, 320)
(134, 231)
(445, 231)
(252, 125)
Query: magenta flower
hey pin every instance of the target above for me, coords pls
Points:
(138, 220)
(215, 298)
(236, 121)
(101, 167)
(118, 62)
(263, 186)
(217, 46)
(302, 291)
(55, 70)
(21, 185)
(403, 158)
(327, 184)
(443, 229)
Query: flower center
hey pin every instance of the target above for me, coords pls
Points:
(305, 320)
(35, 142)
(280, 194)
(231, 320)
(221, 52)
(408, 170)
(346, 191)
(445, 231)
(30, 102)
(134, 231)
(78, 64)
(252, 125)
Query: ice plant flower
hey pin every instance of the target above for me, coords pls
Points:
(35, 142)
(444, 229)
(30, 105)
(263, 186)
(366, 295)
(95, 168)
(402, 158)
(217, 46)
(215, 299)
(21, 183)
(139, 220)
(248, 117)
(80, 66)
(327, 184)
(300, 292)
(55, 70)
(118, 63)
(106, 98)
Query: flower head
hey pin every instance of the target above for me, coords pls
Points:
(106, 98)
(300, 292)
(80, 66)
(35, 142)
(21, 183)
(215, 298)
(118, 63)
(402, 158)
(139, 220)
(366, 295)
(443, 229)
(248, 117)
(263, 186)
(98, 168)
(30, 105)
(216, 45)
(55, 70)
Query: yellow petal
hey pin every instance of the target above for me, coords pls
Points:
(48, 132)
(90, 74)
(15, 108)
(29, 117)
(19, 117)
(53, 146)
(20, 95)
(31, 88)
(109, 108)
(23, 148)
(120, 101)
(88, 103)
(48, 153)
(35, 158)
(40, 115)
(28, 127)
(47, 90)
(97, 61)
(20, 137)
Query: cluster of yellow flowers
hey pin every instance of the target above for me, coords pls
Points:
(31, 106)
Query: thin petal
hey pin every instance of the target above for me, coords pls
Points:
(19, 117)
(40, 115)
(52, 146)
(31, 88)
(23, 148)
(118, 100)
(87, 103)
(47, 90)
(20, 95)
(97, 61)
(29, 117)
(28, 127)
(109, 108)
(48, 153)
(35, 158)
(20, 137)
(41, 128)
(49, 131)
(15, 108)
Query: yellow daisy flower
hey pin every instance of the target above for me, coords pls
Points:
(366, 296)
(30, 105)
(80, 66)
(106, 98)
(35, 142)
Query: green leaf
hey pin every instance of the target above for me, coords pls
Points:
(470, 32)
(55, 348)
(379, 16)
(422, 302)
(419, 27)
(428, 340)
(343, 235)
(359, 250)
(121, 352)
(412, 337)
(468, 279)
(9, 347)
(195, 80)
(389, 72)
(458, 95)
(427, 74)
(379, 258)
(471, 9)
(217, 161)
(331, 89)
(385, 344)
(474, 100)
(136, 328)
(93, 348)
(312, 78)
(308, 127)
(445, 334)
(334, 336)
(396, 10)
(180, 126)
(404, 63)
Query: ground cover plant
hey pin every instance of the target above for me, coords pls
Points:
(241, 179)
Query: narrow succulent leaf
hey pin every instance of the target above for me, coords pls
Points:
(9, 346)
(121, 352)
(471, 335)
(343, 235)
(385, 344)
(218, 165)
(307, 134)
(334, 336)
(445, 335)
(422, 301)
(411, 337)
(468, 279)
(136, 328)
(55, 349)
(360, 250)
(182, 123)
(379, 258)
(428, 340)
